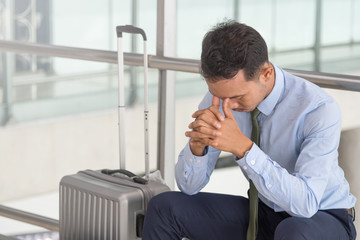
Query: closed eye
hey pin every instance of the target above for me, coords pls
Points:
(237, 97)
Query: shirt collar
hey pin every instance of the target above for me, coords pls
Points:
(269, 103)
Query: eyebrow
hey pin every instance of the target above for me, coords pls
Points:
(229, 97)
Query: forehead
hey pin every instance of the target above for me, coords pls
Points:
(229, 88)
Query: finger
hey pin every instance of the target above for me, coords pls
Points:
(200, 142)
(213, 109)
(200, 123)
(207, 111)
(196, 144)
(198, 113)
(210, 131)
(215, 105)
(227, 108)
(216, 112)
(215, 102)
(198, 135)
(208, 116)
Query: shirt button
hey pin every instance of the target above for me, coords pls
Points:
(190, 159)
(269, 185)
(245, 168)
(198, 161)
(252, 162)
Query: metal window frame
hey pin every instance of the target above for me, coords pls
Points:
(165, 46)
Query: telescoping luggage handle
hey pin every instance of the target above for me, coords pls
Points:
(121, 108)
(130, 29)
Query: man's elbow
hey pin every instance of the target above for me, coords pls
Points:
(306, 211)
(309, 214)
(189, 190)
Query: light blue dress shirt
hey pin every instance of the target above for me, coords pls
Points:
(295, 168)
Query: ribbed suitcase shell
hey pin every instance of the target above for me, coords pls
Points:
(101, 207)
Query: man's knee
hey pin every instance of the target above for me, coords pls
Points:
(294, 228)
(166, 202)
(159, 218)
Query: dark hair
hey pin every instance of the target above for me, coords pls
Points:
(230, 47)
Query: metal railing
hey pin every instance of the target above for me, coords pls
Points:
(336, 81)
(131, 59)
(2, 237)
(328, 80)
(34, 219)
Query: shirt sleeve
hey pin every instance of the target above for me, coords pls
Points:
(300, 192)
(192, 172)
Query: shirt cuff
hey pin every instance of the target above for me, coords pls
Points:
(252, 162)
(195, 161)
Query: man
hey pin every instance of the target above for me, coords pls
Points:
(302, 191)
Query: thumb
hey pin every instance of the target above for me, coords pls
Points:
(227, 109)
(216, 102)
(215, 106)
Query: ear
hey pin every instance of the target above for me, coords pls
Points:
(267, 72)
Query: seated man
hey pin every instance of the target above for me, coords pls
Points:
(288, 151)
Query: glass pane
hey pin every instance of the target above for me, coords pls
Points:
(295, 24)
(337, 21)
(93, 26)
(194, 19)
(288, 27)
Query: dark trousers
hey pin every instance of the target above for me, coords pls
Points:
(175, 215)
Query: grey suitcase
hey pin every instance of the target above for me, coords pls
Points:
(109, 204)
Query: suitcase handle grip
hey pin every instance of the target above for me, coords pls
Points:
(130, 29)
(131, 175)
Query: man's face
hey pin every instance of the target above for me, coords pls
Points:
(244, 95)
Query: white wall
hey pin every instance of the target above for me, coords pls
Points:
(34, 156)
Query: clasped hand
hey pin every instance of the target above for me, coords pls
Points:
(211, 128)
